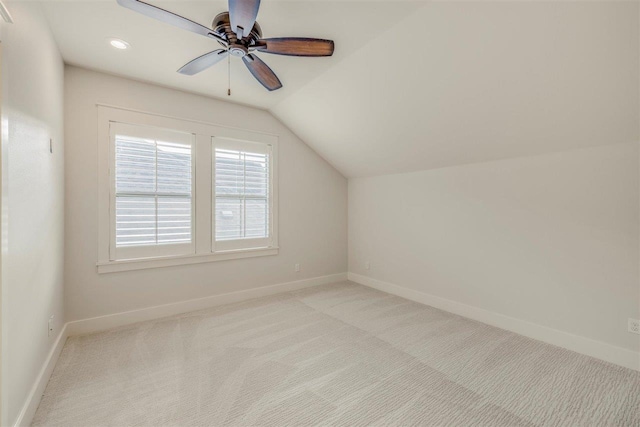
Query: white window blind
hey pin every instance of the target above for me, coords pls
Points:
(242, 195)
(153, 189)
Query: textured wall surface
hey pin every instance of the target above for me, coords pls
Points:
(312, 199)
(33, 200)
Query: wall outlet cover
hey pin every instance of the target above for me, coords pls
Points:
(634, 326)
(50, 325)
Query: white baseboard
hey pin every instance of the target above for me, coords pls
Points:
(587, 346)
(33, 400)
(95, 324)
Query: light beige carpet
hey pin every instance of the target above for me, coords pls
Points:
(332, 355)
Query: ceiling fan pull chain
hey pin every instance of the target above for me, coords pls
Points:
(229, 74)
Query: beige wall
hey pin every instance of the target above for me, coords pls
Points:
(33, 201)
(550, 239)
(312, 211)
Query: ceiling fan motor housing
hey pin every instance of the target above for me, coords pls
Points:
(222, 26)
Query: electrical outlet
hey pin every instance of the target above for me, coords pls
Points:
(50, 325)
(297, 267)
(367, 265)
(634, 326)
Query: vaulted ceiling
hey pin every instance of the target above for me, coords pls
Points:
(412, 85)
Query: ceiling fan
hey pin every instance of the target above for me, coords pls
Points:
(240, 35)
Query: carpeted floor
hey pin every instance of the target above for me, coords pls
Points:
(335, 355)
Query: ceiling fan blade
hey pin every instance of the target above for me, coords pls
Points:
(296, 46)
(243, 14)
(203, 62)
(262, 72)
(167, 17)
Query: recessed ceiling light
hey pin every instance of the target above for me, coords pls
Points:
(119, 44)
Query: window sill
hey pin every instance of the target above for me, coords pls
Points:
(146, 263)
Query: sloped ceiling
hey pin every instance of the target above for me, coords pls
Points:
(412, 85)
(475, 82)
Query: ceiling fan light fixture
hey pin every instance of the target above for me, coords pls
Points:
(119, 44)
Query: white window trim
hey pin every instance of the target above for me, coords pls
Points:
(203, 240)
(148, 251)
(243, 244)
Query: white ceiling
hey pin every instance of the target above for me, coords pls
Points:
(412, 85)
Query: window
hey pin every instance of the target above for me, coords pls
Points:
(242, 202)
(174, 191)
(153, 198)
